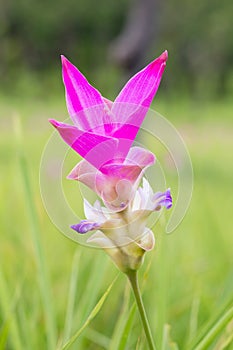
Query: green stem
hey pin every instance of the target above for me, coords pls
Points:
(133, 278)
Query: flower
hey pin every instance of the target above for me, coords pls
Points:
(117, 182)
(124, 234)
(103, 131)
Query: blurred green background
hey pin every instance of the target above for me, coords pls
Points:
(49, 284)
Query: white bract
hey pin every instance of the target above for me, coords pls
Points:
(124, 234)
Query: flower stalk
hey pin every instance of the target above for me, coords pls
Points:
(133, 279)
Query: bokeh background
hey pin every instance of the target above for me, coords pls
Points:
(49, 284)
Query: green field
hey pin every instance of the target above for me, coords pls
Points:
(49, 284)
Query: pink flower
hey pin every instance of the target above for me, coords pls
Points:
(117, 181)
(103, 131)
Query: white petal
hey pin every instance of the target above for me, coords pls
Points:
(93, 213)
(136, 202)
(146, 194)
(147, 188)
(147, 241)
(99, 209)
(101, 240)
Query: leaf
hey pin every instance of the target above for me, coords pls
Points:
(8, 305)
(167, 343)
(120, 323)
(71, 295)
(4, 335)
(215, 329)
(89, 298)
(97, 338)
(35, 234)
(127, 328)
(91, 316)
(226, 339)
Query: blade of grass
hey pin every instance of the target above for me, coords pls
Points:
(25, 331)
(7, 304)
(92, 315)
(167, 343)
(193, 323)
(35, 234)
(71, 296)
(163, 285)
(97, 338)
(120, 324)
(226, 339)
(4, 335)
(215, 329)
(88, 299)
(127, 328)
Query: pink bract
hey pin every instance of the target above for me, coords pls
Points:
(104, 131)
(117, 182)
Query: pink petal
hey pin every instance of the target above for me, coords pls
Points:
(141, 157)
(137, 159)
(84, 103)
(130, 168)
(126, 133)
(131, 105)
(101, 184)
(81, 169)
(142, 87)
(87, 174)
(96, 149)
(115, 183)
(107, 102)
(122, 171)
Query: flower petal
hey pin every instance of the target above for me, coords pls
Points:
(126, 134)
(81, 96)
(88, 175)
(146, 194)
(131, 105)
(147, 241)
(96, 149)
(84, 226)
(94, 213)
(142, 87)
(137, 159)
(162, 199)
(115, 183)
(100, 239)
(122, 171)
(140, 156)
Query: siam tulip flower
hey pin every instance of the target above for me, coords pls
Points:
(124, 235)
(104, 131)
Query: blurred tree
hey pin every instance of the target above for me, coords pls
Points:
(129, 49)
(198, 36)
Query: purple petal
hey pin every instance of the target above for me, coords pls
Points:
(84, 226)
(163, 199)
(81, 97)
(96, 149)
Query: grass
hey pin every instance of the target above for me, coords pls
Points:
(49, 285)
